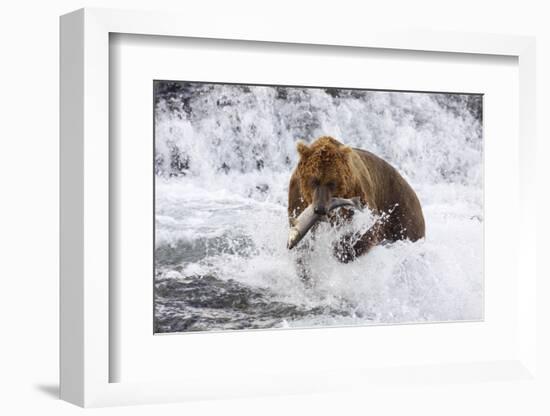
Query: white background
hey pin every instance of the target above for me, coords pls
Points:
(29, 209)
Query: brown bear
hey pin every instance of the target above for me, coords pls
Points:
(328, 169)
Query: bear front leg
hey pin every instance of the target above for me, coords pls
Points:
(343, 249)
(350, 246)
(302, 265)
(373, 237)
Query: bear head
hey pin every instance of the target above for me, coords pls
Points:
(325, 172)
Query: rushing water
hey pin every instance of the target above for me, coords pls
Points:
(224, 155)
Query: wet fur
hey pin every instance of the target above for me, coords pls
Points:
(354, 172)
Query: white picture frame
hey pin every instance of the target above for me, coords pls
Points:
(85, 355)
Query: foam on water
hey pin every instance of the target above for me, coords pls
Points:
(224, 155)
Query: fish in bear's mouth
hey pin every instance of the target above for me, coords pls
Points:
(308, 218)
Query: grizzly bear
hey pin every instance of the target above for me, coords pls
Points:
(329, 169)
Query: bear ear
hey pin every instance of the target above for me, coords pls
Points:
(303, 149)
(345, 150)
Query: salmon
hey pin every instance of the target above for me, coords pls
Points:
(308, 218)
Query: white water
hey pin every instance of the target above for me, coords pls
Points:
(224, 159)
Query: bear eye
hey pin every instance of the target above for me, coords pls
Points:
(331, 185)
(315, 182)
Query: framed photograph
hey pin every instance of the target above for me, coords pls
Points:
(277, 212)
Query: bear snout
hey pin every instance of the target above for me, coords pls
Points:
(320, 209)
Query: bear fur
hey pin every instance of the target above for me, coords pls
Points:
(327, 169)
